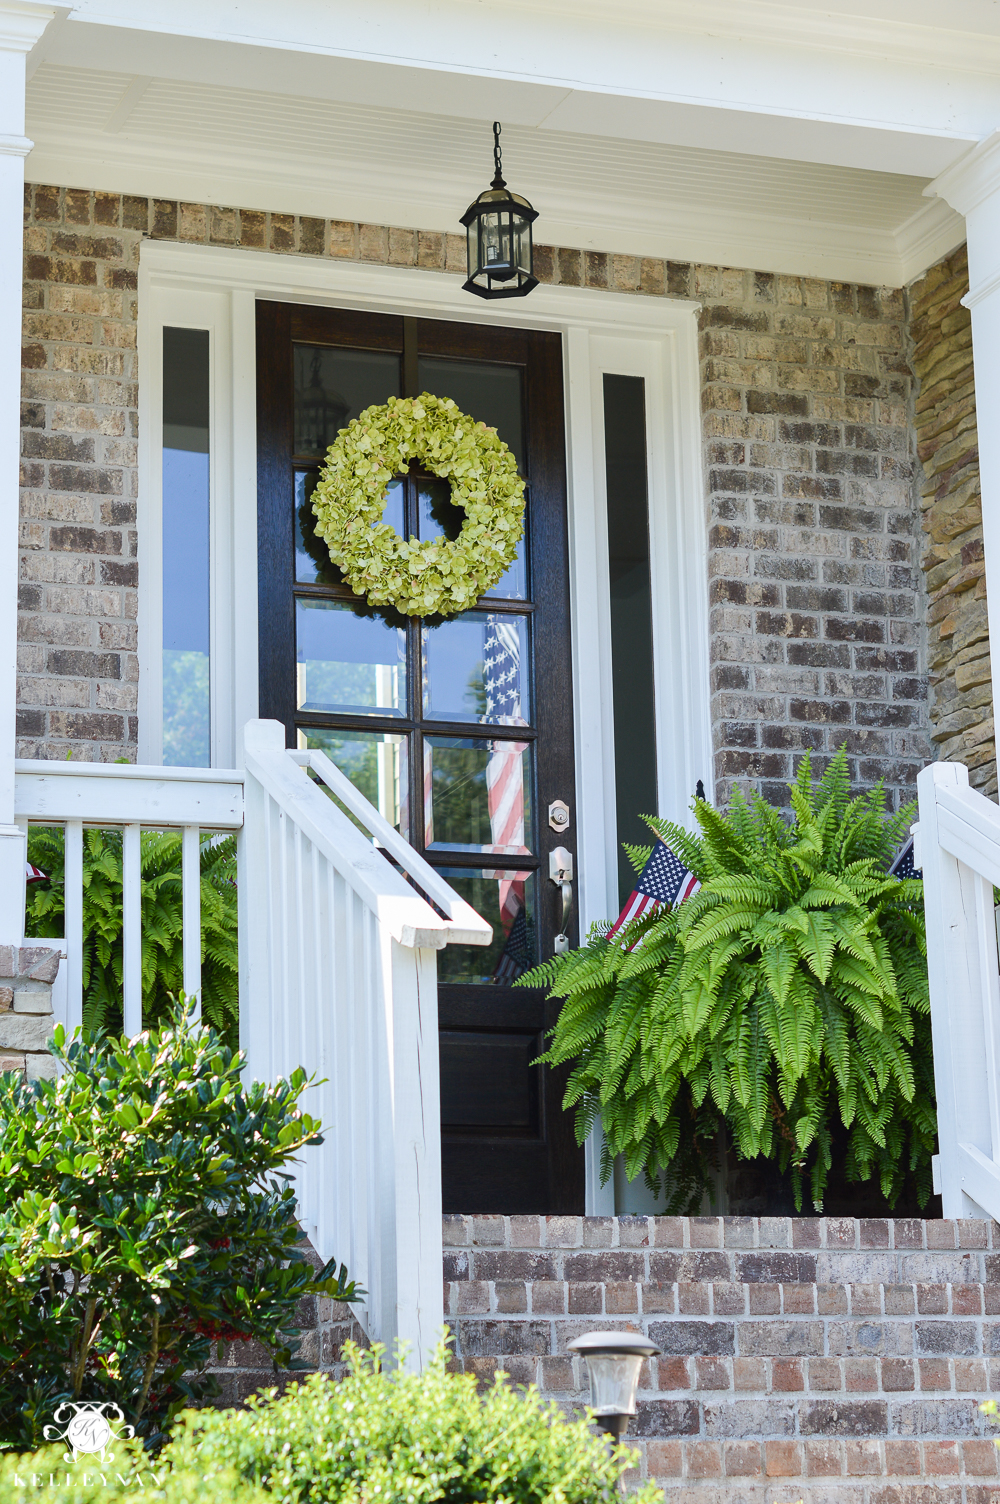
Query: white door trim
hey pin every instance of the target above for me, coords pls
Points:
(602, 331)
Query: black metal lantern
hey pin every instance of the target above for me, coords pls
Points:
(498, 237)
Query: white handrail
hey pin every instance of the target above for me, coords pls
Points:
(467, 928)
(339, 929)
(959, 852)
(338, 971)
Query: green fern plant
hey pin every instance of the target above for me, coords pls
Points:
(162, 925)
(791, 989)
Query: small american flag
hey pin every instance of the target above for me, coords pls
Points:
(34, 874)
(903, 866)
(664, 879)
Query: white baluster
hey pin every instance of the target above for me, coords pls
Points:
(191, 910)
(132, 929)
(73, 922)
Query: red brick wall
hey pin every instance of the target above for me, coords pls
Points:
(803, 1358)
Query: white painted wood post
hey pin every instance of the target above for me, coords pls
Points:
(415, 1121)
(132, 929)
(253, 900)
(73, 922)
(191, 911)
(972, 186)
(959, 993)
(21, 25)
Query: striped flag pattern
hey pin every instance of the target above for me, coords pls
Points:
(505, 787)
(664, 879)
(35, 874)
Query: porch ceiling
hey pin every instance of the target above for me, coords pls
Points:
(356, 158)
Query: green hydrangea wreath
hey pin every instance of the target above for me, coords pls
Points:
(438, 576)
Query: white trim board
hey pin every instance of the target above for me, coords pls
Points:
(672, 231)
(602, 331)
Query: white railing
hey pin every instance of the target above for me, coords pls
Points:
(338, 973)
(958, 847)
(129, 799)
(338, 928)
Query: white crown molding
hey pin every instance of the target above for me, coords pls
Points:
(22, 24)
(673, 231)
(973, 178)
(934, 231)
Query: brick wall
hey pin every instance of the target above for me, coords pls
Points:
(803, 1358)
(961, 709)
(78, 670)
(816, 636)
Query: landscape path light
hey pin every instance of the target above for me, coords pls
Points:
(614, 1360)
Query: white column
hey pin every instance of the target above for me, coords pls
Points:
(972, 186)
(21, 25)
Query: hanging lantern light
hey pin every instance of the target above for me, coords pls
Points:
(498, 238)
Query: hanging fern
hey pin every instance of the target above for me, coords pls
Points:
(790, 989)
(162, 927)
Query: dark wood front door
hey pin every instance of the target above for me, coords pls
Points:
(461, 730)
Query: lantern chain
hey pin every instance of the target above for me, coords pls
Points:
(498, 180)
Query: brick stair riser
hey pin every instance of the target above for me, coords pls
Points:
(796, 1352)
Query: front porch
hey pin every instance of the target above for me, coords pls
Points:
(747, 422)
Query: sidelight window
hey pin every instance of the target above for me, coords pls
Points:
(187, 740)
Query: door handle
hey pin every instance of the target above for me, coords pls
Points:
(561, 873)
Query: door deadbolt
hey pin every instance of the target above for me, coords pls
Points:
(559, 815)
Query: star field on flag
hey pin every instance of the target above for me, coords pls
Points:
(664, 879)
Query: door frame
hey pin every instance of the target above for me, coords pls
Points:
(624, 333)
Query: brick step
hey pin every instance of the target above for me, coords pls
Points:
(793, 1349)
(713, 1250)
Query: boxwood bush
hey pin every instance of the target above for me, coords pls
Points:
(397, 1435)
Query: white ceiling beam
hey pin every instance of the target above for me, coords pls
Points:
(785, 82)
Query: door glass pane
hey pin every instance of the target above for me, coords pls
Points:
(477, 795)
(186, 706)
(333, 386)
(439, 517)
(476, 669)
(506, 900)
(491, 394)
(631, 614)
(374, 761)
(347, 662)
(313, 565)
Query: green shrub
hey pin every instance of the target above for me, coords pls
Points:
(403, 1436)
(789, 991)
(162, 927)
(147, 1216)
(46, 1475)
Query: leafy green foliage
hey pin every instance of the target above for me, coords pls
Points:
(162, 927)
(46, 1474)
(791, 987)
(401, 1436)
(147, 1216)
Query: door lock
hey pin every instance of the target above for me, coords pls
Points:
(561, 873)
(559, 815)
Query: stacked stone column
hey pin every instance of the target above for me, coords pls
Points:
(27, 973)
